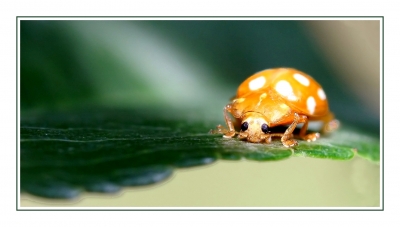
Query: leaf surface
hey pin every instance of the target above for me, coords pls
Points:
(103, 150)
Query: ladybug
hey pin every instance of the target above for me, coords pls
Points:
(277, 97)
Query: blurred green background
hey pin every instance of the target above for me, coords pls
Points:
(196, 65)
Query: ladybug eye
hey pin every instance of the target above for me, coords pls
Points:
(244, 126)
(264, 128)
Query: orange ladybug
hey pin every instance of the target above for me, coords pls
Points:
(275, 97)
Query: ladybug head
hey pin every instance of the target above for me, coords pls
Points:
(254, 128)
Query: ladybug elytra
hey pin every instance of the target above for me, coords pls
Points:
(277, 97)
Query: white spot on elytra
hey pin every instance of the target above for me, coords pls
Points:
(302, 79)
(257, 83)
(321, 94)
(263, 96)
(239, 100)
(285, 89)
(311, 104)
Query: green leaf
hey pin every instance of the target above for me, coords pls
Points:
(362, 143)
(321, 150)
(103, 150)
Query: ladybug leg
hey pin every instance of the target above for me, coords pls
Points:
(268, 140)
(308, 137)
(330, 123)
(230, 132)
(287, 137)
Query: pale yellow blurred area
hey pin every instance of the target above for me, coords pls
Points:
(353, 49)
(295, 182)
